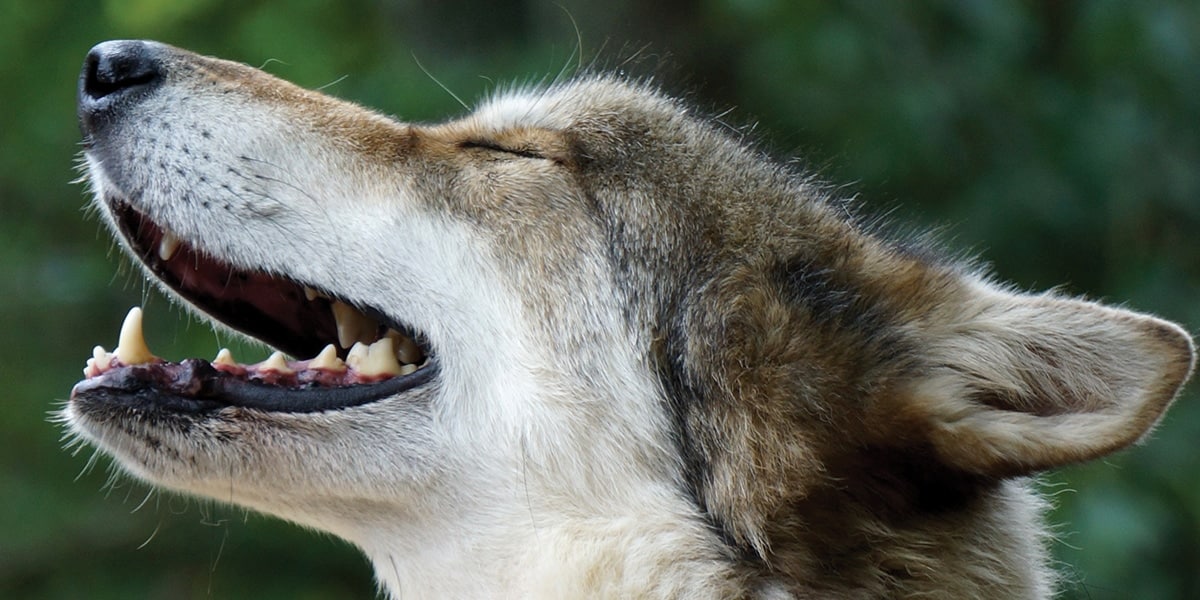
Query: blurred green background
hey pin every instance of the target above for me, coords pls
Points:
(1059, 140)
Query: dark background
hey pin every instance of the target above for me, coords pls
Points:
(1058, 140)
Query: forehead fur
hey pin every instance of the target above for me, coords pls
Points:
(668, 363)
(561, 105)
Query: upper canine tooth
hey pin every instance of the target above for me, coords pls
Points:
(352, 326)
(131, 347)
(310, 294)
(167, 245)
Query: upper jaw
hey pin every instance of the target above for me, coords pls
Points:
(222, 220)
(351, 348)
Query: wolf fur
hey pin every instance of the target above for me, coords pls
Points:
(669, 366)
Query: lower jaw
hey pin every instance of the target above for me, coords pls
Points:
(195, 386)
(133, 377)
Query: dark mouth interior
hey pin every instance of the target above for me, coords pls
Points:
(269, 308)
(288, 315)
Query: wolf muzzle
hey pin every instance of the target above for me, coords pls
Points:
(115, 75)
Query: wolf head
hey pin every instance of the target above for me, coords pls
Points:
(584, 342)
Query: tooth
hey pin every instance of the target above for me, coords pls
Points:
(98, 363)
(327, 359)
(357, 355)
(275, 362)
(224, 357)
(406, 349)
(131, 348)
(352, 326)
(167, 245)
(380, 359)
(406, 369)
(313, 293)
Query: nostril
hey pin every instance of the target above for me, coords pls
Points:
(112, 67)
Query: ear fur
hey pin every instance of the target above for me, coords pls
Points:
(1018, 383)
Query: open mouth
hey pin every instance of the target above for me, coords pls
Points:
(359, 354)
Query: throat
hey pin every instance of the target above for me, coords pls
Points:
(530, 552)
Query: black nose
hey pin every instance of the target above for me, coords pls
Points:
(115, 74)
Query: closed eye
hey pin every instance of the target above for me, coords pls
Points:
(494, 147)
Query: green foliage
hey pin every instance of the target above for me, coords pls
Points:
(1059, 140)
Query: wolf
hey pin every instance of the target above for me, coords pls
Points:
(582, 342)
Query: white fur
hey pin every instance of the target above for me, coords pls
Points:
(856, 420)
(507, 478)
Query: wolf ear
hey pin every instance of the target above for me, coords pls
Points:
(1018, 383)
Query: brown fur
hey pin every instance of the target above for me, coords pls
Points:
(805, 351)
(848, 416)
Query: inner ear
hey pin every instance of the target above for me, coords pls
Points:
(1026, 383)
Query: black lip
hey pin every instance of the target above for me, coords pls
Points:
(292, 323)
(288, 320)
(194, 386)
(272, 308)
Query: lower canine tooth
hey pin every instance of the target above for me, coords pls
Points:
(167, 245)
(131, 348)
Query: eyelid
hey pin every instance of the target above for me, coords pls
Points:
(490, 145)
